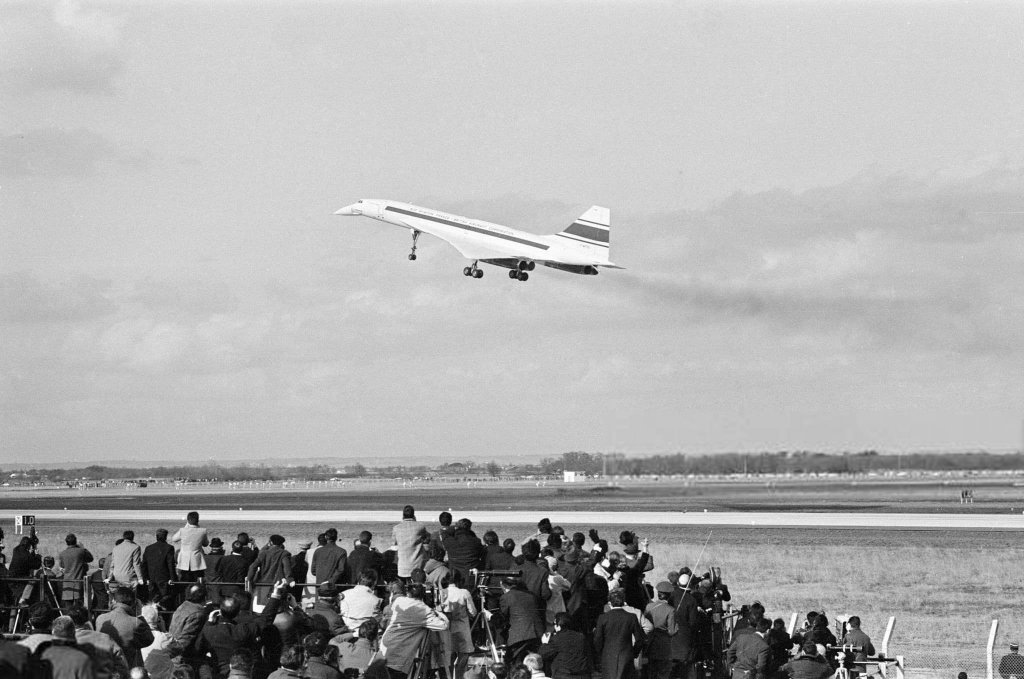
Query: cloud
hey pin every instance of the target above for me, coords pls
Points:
(59, 47)
(26, 299)
(52, 152)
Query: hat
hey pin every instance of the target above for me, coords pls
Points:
(305, 544)
(665, 587)
(1014, 646)
(277, 539)
(216, 543)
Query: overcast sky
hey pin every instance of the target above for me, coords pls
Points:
(820, 207)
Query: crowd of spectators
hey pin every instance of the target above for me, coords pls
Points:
(549, 605)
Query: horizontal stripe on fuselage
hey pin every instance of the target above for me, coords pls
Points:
(586, 231)
(582, 240)
(467, 227)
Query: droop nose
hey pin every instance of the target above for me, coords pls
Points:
(355, 209)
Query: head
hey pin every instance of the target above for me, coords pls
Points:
(531, 550)
(416, 591)
(151, 614)
(242, 661)
(562, 620)
(627, 537)
(314, 643)
(519, 672)
(192, 518)
(509, 545)
(216, 544)
(616, 598)
(244, 600)
(762, 625)
(396, 588)
(237, 546)
(243, 537)
(444, 518)
(544, 526)
(534, 662)
(554, 541)
(71, 540)
(48, 561)
(293, 657)
(128, 535)
(490, 538)
(778, 624)
(41, 615)
(508, 584)
(853, 622)
(331, 534)
(277, 540)
(125, 596)
(79, 615)
(579, 539)
(368, 577)
(820, 621)
(230, 607)
(63, 628)
(810, 649)
(664, 590)
(321, 539)
(161, 534)
(408, 512)
(196, 593)
(1014, 648)
(418, 576)
(369, 630)
(366, 537)
(497, 671)
(464, 524)
(138, 673)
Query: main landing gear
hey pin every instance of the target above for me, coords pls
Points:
(473, 271)
(415, 237)
(517, 275)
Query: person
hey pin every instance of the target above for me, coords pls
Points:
(62, 657)
(51, 589)
(309, 591)
(326, 611)
(457, 605)
(124, 565)
(779, 645)
(158, 568)
(74, 562)
(535, 574)
(360, 603)
(40, 618)
(536, 665)
(444, 531)
(300, 569)
(329, 561)
(212, 575)
(618, 639)
(24, 561)
(809, 664)
(231, 571)
(107, 656)
(411, 620)
(409, 537)
(249, 549)
(559, 586)
(543, 530)
(293, 658)
(1012, 664)
(855, 637)
(498, 557)
(318, 665)
(228, 630)
(524, 616)
(187, 622)
(464, 549)
(748, 653)
(664, 627)
(14, 659)
(151, 616)
(567, 651)
(273, 563)
(240, 664)
(191, 563)
(363, 556)
(130, 633)
(98, 592)
(363, 652)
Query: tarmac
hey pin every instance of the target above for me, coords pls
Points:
(846, 520)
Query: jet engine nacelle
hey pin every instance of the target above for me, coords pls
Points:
(582, 269)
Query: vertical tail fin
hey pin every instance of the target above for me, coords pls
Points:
(593, 227)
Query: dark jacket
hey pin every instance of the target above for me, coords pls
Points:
(361, 558)
(569, 654)
(497, 559)
(687, 619)
(524, 614)
(748, 654)
(618, 638)
(224, 637)
(465, 551)
(806, 667)
(329, 564)
(535, 578)
(632, 583)
(158, 562)
(232, 568)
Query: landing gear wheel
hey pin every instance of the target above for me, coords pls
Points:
(523, 276)
(513, 274)
(468, 271)
(479, 273)
(415, 237)
(412, 257)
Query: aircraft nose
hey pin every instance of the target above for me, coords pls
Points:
(350, 210)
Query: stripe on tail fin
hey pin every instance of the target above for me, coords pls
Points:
(592, 227)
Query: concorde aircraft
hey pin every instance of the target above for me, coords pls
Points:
(582, 247)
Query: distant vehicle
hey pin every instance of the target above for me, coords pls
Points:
(580, 248)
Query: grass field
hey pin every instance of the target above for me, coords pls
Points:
(943, 587)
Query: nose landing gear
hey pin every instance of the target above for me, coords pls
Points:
(415, 237)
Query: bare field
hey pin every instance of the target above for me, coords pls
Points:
(945, 587)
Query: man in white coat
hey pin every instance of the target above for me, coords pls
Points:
(191, 564)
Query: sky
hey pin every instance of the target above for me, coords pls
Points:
(820, 208)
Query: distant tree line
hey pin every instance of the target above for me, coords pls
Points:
(779, 462)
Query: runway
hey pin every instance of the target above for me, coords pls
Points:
(846, 520)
